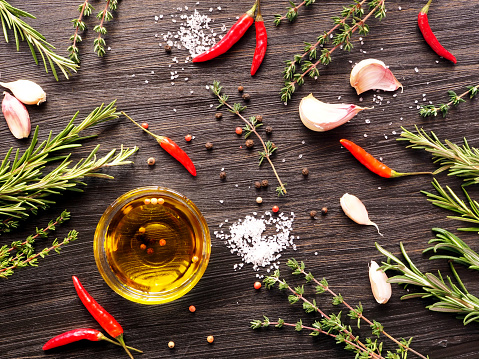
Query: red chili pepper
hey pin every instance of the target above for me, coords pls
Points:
(373, 164)
(79, 334)
(261, 42)
(103, 318)
(171, 147)
(232, 36)
(429, 36)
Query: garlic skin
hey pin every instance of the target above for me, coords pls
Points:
(26, 91)
(380, 286)
(372, 74)
(320, 116)
(18, 119)
(355, 209)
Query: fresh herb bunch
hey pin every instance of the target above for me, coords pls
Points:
(460, 161)
(352, 19)
(292, 13)
(21, 254)
(251, 126)
(104, 16)
(332, 324)
(454, 100)
(448, 297)
(85, 10)
(23, 186)
(11, 19)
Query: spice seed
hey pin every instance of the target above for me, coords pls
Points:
(268, 130)
(222, 175)
(188, 138)
(305, 172)
(150, 251)
(145, 125)
(195, 259)
(147, 201)
(192, 309)
(209, 145)
(171, 344)
(151, 161)
(210, 339)
(257, 285)
(259, 200)
(264, 183)
(324, 211)
(240, 88)
(239, 130)
(142, 230)
(162, 242)
(246, 97)
(275, 209)
(160, 200)
(168, 49)
(259, 118)
(249, 143)
(218, 115)
(154, 201)
(313, 214)
(257, 184)
(142, 246)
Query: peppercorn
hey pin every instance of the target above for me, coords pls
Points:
(151, 161)
(142, 230)
(210, 339)
(209, 145)
(240, 88)
(142, 246)
(188, 138)
(239, 130)
(160, 201)
(275, 209)
(195, 259)
(305, 172)
(257, 184)
(145, 125)
(324, 211)
(150, 251)
(257, 285)
(249, 143)
(313, 214)
(218, 115)
(246, 97)
(268, 130)
(259, 118)
(222, 175)
(171, 344)
(192, 309)
(259, 200)
(162, 242)
(168, 49)
(154, 201)
(147, 201)
(264, 183)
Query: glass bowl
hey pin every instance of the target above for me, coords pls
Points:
(152, 245)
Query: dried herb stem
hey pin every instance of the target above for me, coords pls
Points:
(85, 10)
(292, 13)
(455, 100)
(104, 16)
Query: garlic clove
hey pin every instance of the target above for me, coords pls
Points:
(380, 286)
(320, 116)
(355, 210)
(26, 91)
(16, 115)
(372, 74)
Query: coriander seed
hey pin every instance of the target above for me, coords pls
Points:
(268, 130)
(259, 118)
(249, 143)
(240, 88)
(171, 344)
(168, 49)
(324, 211)
(259, 200)
(313, 214)
(264, 183)
(210, 339)
(218, 115)
(209, 145)
(246, 97)
(305, 172)
(222, 175)
(257, 184)
(151, 161)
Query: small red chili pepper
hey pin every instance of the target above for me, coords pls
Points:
(103, 318)
(171, 147)
(79, 334)
(232, 36)
(261, 42)
(373, 164)
(429, 36)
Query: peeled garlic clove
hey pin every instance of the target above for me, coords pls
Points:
(26, 91)
(320, 116)
(379, 283)
(355, 209)
(18, 119)
(372, 74)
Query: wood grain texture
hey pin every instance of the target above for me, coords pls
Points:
(38, 303)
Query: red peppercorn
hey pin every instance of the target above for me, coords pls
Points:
(162, 242)
(275, 209)
(239, 130)
(210, 339)
(188, 138)
(257, 285)
(145, 125)
(150, 250)
(192, 308)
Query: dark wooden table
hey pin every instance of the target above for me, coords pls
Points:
(38, 303)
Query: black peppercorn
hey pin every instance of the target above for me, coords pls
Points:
(222, 175)
(324, 211)
(259, 118)
(257, 184)
(168, 49)
(246, 97)
(264, 183)
(240, 88)
(313, 214)
(305, 172)
(249, 143)
(219, 116)
(268, 130)
(209, 145)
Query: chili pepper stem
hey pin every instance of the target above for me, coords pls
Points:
(251, 11)
(158, 138)
(425, 9)
(113, 342)
(395, 174)
(122, 342)
(259, 17)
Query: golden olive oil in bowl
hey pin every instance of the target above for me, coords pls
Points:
(152, 245)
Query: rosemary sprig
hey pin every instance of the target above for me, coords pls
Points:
(22, 253)
(85, 10)
(461, 161)
(341, 40)
(251, 126)
(454, 100)
(24, 188)
(104, 16)
(292, 13)
(11, 19)
(447, 296)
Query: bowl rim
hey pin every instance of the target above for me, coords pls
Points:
(104, 268)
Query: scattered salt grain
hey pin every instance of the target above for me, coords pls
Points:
(416, 69)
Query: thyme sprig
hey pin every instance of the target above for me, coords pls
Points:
(461, 161)
(11, 18)
(306, 61)
(85, 9)
(22, 253)
(251, 126)
(23, 186)
(448, 297)
(454, 100)
(292, 13)
(105, 15)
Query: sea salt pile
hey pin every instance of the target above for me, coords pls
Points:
(259, 241)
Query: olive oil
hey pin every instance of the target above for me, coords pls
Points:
(154, 244)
